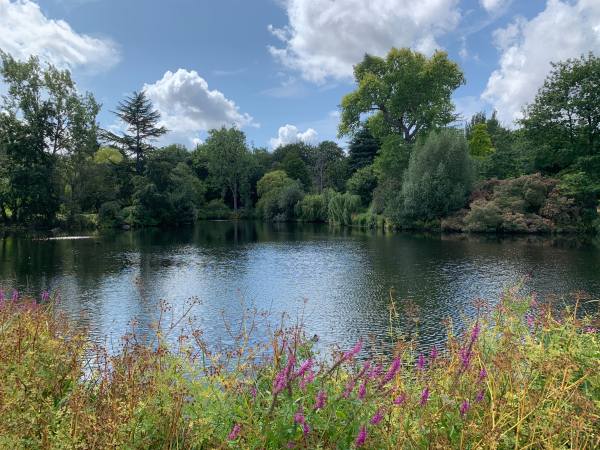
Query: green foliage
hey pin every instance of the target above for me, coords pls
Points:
(215, 209)
(313, 208)
(439, 177)
(342, 207)
(562, 124)
(227, 159)
(480, 142)
(362, 149)
(278, 196)
(362, 183)
(142, 121)
(520, 376)
(409, 91)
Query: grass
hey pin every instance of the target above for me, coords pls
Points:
(521, 376)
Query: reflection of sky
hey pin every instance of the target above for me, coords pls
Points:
(346, 277)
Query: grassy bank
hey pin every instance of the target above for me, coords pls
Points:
(520, 376)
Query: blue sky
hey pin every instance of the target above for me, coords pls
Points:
(279, 68)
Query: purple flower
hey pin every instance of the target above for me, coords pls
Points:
(530, 321)
(305, 428)
(424, 396)
(353, 352)
(375, 372)
(45, 296)
(482, 374)
(366, 366)
(479, 397)
(308, 378)
(15, 296)
(464, 408)
(475, 332)
(392, 371)
(299, 417)
(434, 353)
(349, 388)
(590, 330)
(421, 362)
(253, 391)
(235, 432)
(465, 357)
(320, 400)
(306, 365)
(281, 380)
(291, 444)
(400, 399)
(362, 436)
(377, 417)
(362, 390)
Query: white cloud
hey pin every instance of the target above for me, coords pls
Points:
(187, 106)
(325, 38)
(26, 31)
(289, 134)
(563, 30)
(494, 5)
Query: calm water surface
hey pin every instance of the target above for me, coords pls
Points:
(341, 281)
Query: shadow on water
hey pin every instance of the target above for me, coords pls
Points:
(340, 280)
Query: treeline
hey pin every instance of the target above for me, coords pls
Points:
(408, 163)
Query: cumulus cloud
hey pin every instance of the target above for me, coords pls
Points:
(26, 31)
(494, 5)
(187, 106)
(324, 39)
(562, 30)
(289, 134)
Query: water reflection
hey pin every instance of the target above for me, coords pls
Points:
(347, 276)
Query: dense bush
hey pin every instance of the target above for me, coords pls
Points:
(278, 195)
(215, 209)
(362, 183)
(439, 177)
(527, 204)
(342, 207)
(313, 208)
(521, 377)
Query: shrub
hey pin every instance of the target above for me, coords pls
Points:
(342, 207)
(483, 217)
(109, 215)
(214, 210)
(278, 196)
(312, 208)
(362, 183)
(439, 177)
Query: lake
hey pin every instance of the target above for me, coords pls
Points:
(340, 281)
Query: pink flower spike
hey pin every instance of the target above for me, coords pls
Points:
(400, 399)
(434, 353)
(320, 400)
(392, 371)
(421, 362)
(482, 374)
(235, 432)
(306, 365)
(362, 390)
(464, 408)
(377, 417)
(424, 396)
(353, 352)
(480, 396)
(362, 436)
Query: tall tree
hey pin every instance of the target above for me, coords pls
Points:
(142, 121)
(563, 122)
(323, 159)
(227, 160)
(406, 92)
(362, 149)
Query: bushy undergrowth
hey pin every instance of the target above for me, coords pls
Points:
(519, 377)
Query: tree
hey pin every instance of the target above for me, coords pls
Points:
(480, 142)
(141, 120)
(439, 176)
(323, 161)
(362, 183)
(408, 92)
(362, 149)
(563, 122)
(227, 160)
(278, 195)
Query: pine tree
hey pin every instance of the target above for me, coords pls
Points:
(142, 121)
(362, 150)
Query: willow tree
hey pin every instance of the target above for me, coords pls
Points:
(405, 93)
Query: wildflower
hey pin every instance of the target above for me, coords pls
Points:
(15, 296)
(377, 417)
(482, 374)
(281, 380)
(400, 399)
(308, 378)
(421, 362)
(475, 332)
(353, 352)
(591, 330)
(349, 388)
(530, 321)
(235, 432)
(434, 353)
(362, 390)
(291, 444)
(424, 396)
(362, 436)
(375, 372)
(253, 391)
(306, 365)
(366, 366)
(464, 408)
(392, 371)
(305, 428)
(45, 296)
(479, 397)
(320, 400)
(465, 357)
